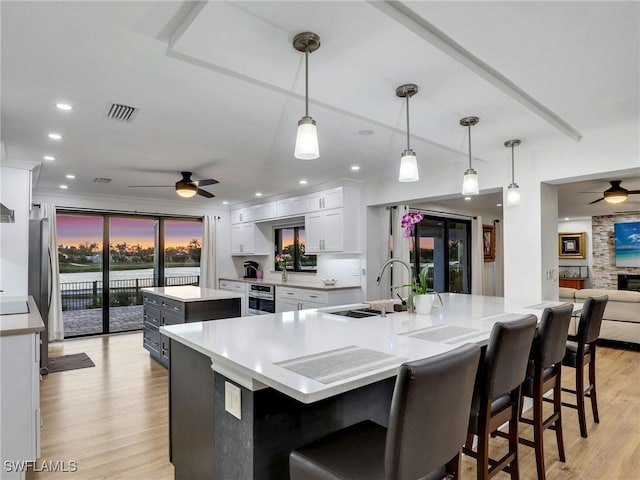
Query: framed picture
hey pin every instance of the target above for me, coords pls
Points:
(489, 243)
(572, 245)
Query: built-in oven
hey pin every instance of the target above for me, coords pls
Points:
(262, 299)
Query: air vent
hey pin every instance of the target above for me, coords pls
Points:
(101, 180)
(124, 113)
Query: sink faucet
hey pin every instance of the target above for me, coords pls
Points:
(389, 262)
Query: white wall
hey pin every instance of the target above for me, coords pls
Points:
(15, 194)
(574, 226)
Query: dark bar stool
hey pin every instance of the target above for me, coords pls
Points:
(427, 427)
(496, 396)
(580, 352)
(543, 374)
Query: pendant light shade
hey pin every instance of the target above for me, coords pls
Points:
(513, 190)
(470, 180)
(307, 136)
(408, 161)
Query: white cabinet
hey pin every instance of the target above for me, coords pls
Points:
(325, 231)
(254, 213)
(327, 199)
(291, 206)
(289, 299)
(248, 239)
(238, 287)
(20, 399)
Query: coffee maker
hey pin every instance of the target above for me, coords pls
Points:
(250, 269)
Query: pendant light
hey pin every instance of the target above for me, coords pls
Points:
(513, 191)
(307, 136)
(470, 181)
(408, 162)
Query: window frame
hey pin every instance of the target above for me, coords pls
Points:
(295, 264)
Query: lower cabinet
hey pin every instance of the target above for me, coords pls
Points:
(160, 311)
(289, 299)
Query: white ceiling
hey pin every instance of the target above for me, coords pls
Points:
(220, 88)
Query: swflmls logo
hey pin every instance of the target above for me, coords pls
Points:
(60, 466)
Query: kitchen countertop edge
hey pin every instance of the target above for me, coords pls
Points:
(291, 284)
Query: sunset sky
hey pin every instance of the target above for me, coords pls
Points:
(76, 230)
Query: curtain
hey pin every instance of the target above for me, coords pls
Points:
(208, 256)
(477, 257)
(55, 320)
(400, 250)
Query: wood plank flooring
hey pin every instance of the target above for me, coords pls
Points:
(113, 419)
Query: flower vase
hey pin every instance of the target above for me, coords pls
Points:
(284, 275)
(422, 304)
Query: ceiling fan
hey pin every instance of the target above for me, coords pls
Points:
(185, 187)
(615, 194)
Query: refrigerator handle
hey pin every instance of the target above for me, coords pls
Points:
(50, 276)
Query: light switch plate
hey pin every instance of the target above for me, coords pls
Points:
(232, 400)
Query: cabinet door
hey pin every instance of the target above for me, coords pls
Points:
(334, 231)
(291, 206)
(236, 238)
(287, 305)
(314, 230)
(248, 238)
(332, 198)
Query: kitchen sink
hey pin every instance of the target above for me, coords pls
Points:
(359, 313)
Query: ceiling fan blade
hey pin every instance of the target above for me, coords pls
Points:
(150, 186)
(208, 181)
(596, 201)
(204, 193)
(633, 191)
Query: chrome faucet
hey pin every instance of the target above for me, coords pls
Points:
(389, 262)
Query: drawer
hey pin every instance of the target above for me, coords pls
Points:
(152, 316)
(151, 300)
(315, 296)
(168, 318)
(285, 292)
(233, 286)
(151, 339)
(164, 346)
(173, 306)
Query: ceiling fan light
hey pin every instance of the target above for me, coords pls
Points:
(408, 167)
(615, 197)
(470, 183)
(513, 195)
(307, 140)
(186, 190)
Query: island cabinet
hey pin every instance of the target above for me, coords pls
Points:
(173, 305)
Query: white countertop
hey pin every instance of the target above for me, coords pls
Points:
(245, 349)
(190, 293)
(292, 284)
(21, 323)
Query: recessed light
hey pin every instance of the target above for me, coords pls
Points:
(366, 132)
(498, 204)
(303, 182)
(566, 218)
(225, 202)
(55, 136)
(63, 187)
(70, 176)
(64, 106)
(355, 168)
(467, 198)
(49, 158)
(258, 194)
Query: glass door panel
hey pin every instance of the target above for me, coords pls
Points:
(431, 252)
(131, 267)
(182, 248)
(458, 261)
(80, 258)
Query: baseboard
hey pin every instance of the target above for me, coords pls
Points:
(619, 344)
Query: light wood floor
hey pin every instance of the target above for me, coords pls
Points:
(113, 419)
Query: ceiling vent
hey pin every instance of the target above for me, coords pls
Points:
(124, 113)
(101, 180)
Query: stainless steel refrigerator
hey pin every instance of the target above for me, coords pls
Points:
(40, 281)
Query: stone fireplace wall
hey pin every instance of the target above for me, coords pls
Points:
(605, 272)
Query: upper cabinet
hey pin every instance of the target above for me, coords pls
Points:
(249, 239)
(292, 206)
(325, 200)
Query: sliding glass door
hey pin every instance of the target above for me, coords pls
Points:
(443, 247)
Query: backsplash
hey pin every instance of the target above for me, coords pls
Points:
(605, 272)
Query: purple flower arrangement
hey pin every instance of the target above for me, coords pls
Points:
(408, 223)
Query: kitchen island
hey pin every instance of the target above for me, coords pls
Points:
(258, 387)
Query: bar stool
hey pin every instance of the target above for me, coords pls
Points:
(543, 374)
(580, 352)
(427, 427)
(496, 396)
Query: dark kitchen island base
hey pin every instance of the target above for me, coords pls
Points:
(206, 442)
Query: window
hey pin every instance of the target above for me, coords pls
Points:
(291, 240)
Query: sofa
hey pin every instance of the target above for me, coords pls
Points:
(621, 320)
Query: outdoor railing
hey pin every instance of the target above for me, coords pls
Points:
(86, 295)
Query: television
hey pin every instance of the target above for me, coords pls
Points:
(627, 244)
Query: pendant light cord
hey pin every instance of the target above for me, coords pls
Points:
(513, 174)
(469, 146)
(408, 136)
(306, 82)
